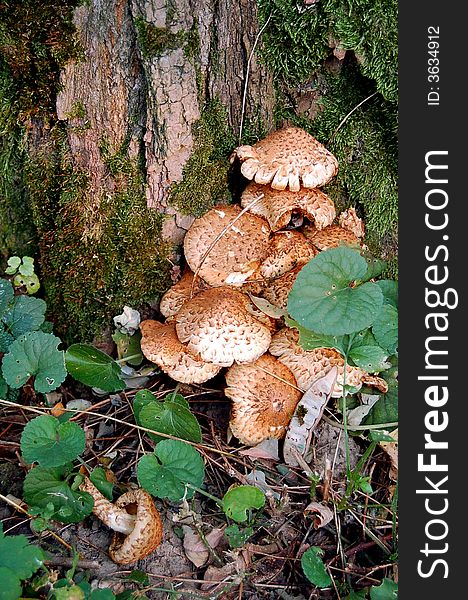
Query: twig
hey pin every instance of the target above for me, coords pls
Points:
(343, 121)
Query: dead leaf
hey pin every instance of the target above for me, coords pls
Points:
(266, 307)
(356, 415)
(322, 514)
(257, 478)
(268, 449)
(196, 549)
(391, 448)
(58, 410)
(306, 417)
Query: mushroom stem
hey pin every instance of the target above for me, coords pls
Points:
(115, 518)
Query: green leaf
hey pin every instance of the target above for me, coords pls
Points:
(46, 488)
(374, 267)
(102, 594)
(6, 339)
(27, 268)
(129, 346)
(168, 417)
(140, 577)
(375, 435)
(6, 295)
(385, 410)
(35, 354)
(50, 443)
(3, 388)
(323, 301)
(385, 328)
(238, 500)
(370, 358)
(173, 464)
(68, 592)
(30, 282)
(98, 477)
(90, 366)
(388, 590)
(389, 290)
(314, 569)
(361, 595)
(17, 554)
(26, 314)
(13, 264)
(309, 340)
(10, 585)
(238, 537)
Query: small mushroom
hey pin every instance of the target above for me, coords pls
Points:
(349, 220)
(217, 324)
(287, 157)
(179, 293)
(309, 365)
(279, 206)
(288, 250)
(225, 248)
(160, 344)
(330, 237)
(133, 517)
(264, 396)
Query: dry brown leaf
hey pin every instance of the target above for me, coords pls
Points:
(320, 512)
(306, 417)
(268, 450)
(196, 549)
(269, 309)
(391, 448)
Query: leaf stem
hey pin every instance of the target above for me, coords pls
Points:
(208, 495)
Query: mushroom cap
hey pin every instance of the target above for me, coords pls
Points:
(330, 237)
(160, 344)
(287, 250)
(263, 404)
(178, 294)
(277, 290)
(147, 533)
(233, 256)
(277, 206)
(217, 324)
(309, 365)
(288, 157)
(349, 220)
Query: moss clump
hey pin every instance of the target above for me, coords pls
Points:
(299, 37)
(205, 179)
(97, 254)
(156, 40)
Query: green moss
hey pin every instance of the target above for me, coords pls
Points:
(205, 179)
(298, 38)
(156, 40)
(97, 254)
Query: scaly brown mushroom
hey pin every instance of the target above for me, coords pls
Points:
(349, 220)
(278, 206)
(223, 250)
(218, 325)
(134, 519)
(330, 237)
(173, 300)
(309, 365)
(264, 396)
(287, 250)
(160, 344)
(287, 157)
(277, 290)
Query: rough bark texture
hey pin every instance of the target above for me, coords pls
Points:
(149, 68)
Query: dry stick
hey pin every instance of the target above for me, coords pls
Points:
(25, 512)
(247, 73)
(343, 121)
(219, 236)
(359, 427)
(131, 425)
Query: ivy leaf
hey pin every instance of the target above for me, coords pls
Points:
(90, 366)
(6, 295)
(98, 477)
(388, 590)
(50, 443)
(35, 354)
(323, 301)
(385, 410)
(390, 291)
(172, 465)
(173, 418)
(314, 569)
(239, 499)
(370, 358)
(46, 489)
(26, 314)
(17, 554)
(385, 328)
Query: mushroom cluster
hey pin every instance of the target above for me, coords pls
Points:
(237, 254)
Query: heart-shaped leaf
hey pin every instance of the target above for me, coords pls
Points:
(385, 328)
(314, 569)
(50, 443)
(17, 554)
(324, 300)
(169, 417)
(35, 354)
(165, 473)
(49, 491)
(239, 499)
(370, 358)
(90, 366)
(25, 314)
(98, 477)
